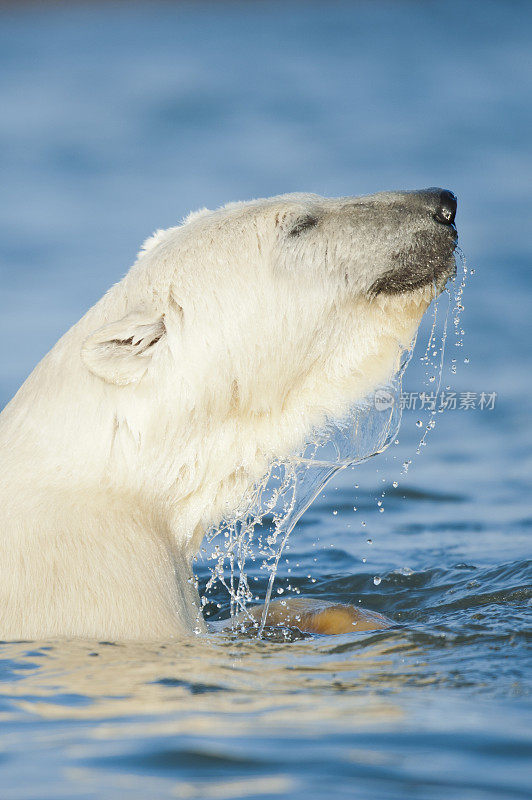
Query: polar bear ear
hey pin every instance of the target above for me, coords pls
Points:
(121, 352)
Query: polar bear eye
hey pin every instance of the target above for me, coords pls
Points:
(303, 224)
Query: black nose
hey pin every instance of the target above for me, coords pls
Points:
(446, 209)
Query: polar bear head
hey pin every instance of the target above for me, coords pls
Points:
(239, 330)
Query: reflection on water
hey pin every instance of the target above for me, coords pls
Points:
(212, 675)
(119, 119)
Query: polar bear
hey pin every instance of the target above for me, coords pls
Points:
(232, 336)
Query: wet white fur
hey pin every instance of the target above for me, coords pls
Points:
(226, 341)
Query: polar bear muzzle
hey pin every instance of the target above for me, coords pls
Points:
(427, 258)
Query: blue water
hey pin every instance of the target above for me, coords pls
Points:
(117, 120)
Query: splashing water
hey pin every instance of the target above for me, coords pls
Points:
(433, 358)
(290, 486)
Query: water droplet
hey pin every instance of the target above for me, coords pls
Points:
(369, 541)
(335, 513)
(395, 484)
(419, 424)
(404, 571)
(377, 580)
(466, 361)
(280, 591)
